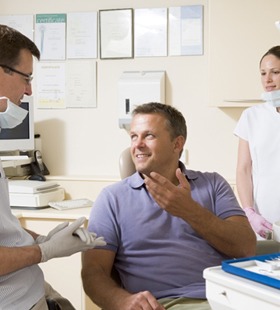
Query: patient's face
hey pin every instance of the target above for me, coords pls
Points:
(151, 146)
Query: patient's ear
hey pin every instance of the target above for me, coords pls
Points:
(179, 144)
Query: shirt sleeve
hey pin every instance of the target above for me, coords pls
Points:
(226, 203)
(241, 129)
(102, 220)
(213, 192)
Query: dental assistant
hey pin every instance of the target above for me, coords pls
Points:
(258, 165)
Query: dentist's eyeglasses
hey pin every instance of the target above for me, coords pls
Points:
(28, 77)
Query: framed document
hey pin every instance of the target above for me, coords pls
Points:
(186, 30)
(50, 36)
(150, 32)
(116, 33)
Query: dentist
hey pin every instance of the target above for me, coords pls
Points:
(22, 284)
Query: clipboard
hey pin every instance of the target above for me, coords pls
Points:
(251, 268)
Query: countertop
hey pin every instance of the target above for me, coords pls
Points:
(51, 213)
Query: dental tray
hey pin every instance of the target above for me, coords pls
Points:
(264, 269)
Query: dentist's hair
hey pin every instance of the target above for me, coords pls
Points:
(175, 120)
(11, 44)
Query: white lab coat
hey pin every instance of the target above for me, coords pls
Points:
(260, 126)
(23, 288)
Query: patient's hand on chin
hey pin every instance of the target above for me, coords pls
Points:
(147, 175)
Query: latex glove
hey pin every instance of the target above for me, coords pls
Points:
(89, 237)
(67, 241)
(260, 225)
(41, 238)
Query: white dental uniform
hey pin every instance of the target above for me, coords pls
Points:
(23, 288)
(260, 127)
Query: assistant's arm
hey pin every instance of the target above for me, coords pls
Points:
(244, 181)
(232, 236)
(245, 190)
(98, 284)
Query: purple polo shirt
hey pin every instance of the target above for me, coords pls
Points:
(156, 251)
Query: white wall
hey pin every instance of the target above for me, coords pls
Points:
(87, 143)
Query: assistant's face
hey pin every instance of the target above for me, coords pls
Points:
(13, 85)
(152, 148)
(270, 73)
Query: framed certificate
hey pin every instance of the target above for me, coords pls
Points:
(186, 30)
(150, 32)
(116, 33)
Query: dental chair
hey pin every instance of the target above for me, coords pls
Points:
(126, 165)
(53, 305)
(267, 247)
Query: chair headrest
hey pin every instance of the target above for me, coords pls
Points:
(126, 165)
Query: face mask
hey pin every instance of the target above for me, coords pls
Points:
(273, 97)
(13, 116)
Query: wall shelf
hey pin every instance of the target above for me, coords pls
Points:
(239, 103)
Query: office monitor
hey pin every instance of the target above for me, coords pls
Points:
(21, 137)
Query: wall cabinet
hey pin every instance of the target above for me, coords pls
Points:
(240, 32)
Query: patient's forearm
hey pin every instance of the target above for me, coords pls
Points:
(102, 289)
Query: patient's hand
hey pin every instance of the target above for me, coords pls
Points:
(143, 300)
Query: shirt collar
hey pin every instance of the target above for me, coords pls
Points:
(190, 174)
(136, 180)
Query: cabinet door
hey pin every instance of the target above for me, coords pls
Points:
(64, 274)
(240, 32)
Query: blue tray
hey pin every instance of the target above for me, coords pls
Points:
(233, 266)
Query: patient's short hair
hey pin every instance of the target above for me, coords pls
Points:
(175, 120)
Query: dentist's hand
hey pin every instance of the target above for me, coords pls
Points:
(41, 238)
(89, 237)
(260, 225)
(68, 240)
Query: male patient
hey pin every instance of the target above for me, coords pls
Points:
(163, 225)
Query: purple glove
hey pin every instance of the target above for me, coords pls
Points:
(260, 225)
